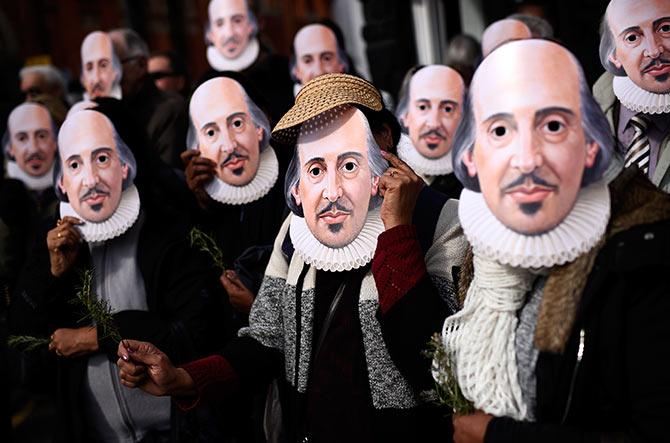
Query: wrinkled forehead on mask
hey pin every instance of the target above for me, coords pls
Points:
(226, 8)
(85, 129)
(29, 116)
(437, 80)
(219, 95)
(344, 123)
(527, 65)
(97, 45)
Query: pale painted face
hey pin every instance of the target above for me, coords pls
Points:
(503, 31)
(530, 150)
(641, 31)
(316, 53)
(229, 27)
(98, 74)
(336, 182)
(227, 134)
(434, 109)
(32, 142)
(93, 173)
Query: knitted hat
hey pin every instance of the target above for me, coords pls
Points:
(323, 94)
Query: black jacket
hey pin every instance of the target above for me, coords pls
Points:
(183, 317)
(612, 381)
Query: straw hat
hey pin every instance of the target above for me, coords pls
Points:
(322, 94)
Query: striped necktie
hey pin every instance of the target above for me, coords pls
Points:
(639, 149)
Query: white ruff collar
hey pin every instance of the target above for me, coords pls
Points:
(122, 219)
(263, 181)
(246, 58)
(420, 164)
(639, 100)
(356, 254)
(576, 234)
(33, 183)
(296, 89)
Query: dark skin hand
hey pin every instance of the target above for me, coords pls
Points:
(471, 428)
(240, 297)
(63, 242)
(142, 365)
(199, 171)
(400, 187)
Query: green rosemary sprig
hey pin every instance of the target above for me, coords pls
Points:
(446, 384)
(27, 343)
(207, 244)
(94, 309)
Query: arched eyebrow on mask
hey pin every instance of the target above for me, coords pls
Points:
(539, 114)
(340, 157)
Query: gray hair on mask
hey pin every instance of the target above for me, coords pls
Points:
(125, 156)
(403, 97)
(595, 125)
(376, 162)
(607, 48)
(257, 116)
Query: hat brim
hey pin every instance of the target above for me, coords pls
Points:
(322, 94)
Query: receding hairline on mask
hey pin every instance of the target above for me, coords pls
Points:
(96, 45)
(85, 125)
(226, 8)
(214, 97)
(437, 81)
(509, 65)
(30, 117)
(503, 31)
(312, 37)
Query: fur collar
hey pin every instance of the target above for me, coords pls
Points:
(635, 202)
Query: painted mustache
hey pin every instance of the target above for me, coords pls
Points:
(331, 207)
(93, 192)
(655, 63)
(35, 156)
(233, 156)
(434, 132)
(528, 179)
(231, 40)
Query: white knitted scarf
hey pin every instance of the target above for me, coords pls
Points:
(480, 338)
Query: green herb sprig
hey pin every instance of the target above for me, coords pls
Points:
(207, 244)
(446, 384)
(27, 343)
(95, 310)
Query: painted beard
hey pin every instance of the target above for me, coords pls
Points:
(31, 157)
(434, 133)
(233, 157)
(92, 193)
(527, 181)
(656, 64)
(334, 207)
